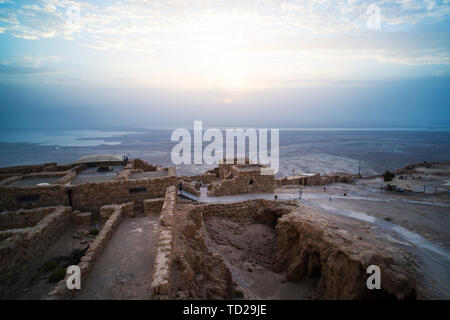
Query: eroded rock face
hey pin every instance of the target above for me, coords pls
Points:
(338, 252)
(334, 250)
(198, 273)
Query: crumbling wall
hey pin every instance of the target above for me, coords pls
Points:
(205, 178)
(107, 211)
(198, 273)
(91, 196)
(153, 206)
(21, 248)
(8, 179)
(141, 164)
(190, 188)
(14, 198)
(246, 211)
(27, 168)
(245, 182)
(23, 218)
(85, 197)
(310, 244)
(161, 286)
(335, 178)
(201, 273)
(301, 180)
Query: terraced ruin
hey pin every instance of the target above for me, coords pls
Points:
(145, 233)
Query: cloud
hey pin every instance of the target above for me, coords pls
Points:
(29, 65)
(232, 42)
(21, 70)
(54, 18)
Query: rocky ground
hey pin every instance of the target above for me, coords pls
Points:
(426, 214)
(249, 250)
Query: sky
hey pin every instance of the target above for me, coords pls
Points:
(313, 63)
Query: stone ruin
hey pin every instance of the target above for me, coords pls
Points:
(197, 245)
(240, 176)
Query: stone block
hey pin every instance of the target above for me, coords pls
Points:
(82, 218)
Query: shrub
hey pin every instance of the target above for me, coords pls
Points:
(50, 266)
(57, 275)
(239, 294)
(388, 176)
(93, 232)
(250, 270)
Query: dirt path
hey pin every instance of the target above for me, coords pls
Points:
(124, 270)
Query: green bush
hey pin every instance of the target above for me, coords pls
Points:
(388, 176)
(239, 294)
(57, 275)
(50, 266)
(250, 270)
(93, 232)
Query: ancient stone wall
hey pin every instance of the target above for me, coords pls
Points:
(245, 182)
(314, 180)
(91, 196)
(68, 177)
(335, 178)
(14, 198)
(301, 180)
(190, 188)
(21, 248)
(85, 197)
(161, 283)
(205, 178)
(27, 169)
(245, 211)
(153, 206)
(198, 272)
(202, 273)
(141, 164)
(23, 218)
(8, 179)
